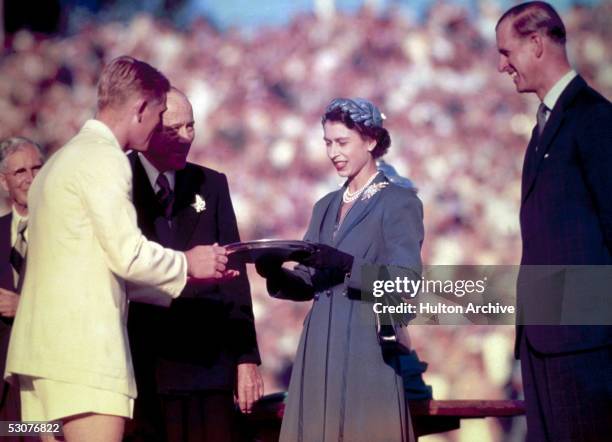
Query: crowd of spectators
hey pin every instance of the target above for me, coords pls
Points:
(458, 131)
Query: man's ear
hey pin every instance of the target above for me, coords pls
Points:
(537, 44)
(141, 105)
(3, 182)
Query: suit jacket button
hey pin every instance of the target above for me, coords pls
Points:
(316, 296)
(328, 292)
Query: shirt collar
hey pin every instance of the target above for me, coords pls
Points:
(555, 92)
(15, 220)
(153, 173)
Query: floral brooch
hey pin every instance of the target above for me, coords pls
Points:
(199, 204)
(373, 189)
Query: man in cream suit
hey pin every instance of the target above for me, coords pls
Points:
(69, 344)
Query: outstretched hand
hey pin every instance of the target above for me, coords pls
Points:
(226, 275)
(208, 262)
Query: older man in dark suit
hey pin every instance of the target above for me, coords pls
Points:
(20, 161)
(189, 358)
(566, 219)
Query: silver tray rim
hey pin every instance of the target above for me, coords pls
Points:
(269, 244)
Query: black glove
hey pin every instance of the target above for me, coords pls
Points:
(330, 258)
(269, 266)
(277, 278)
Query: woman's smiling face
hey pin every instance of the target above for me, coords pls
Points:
(347, 150)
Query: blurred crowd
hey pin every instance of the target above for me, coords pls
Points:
(458, 131)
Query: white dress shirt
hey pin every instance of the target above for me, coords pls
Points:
(153, 173)
(555, 92)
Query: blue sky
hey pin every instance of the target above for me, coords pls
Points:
(252, 13)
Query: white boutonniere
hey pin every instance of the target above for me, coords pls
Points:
(373, 189)
(199, 204)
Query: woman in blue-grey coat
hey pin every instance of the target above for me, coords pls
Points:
(342, 388)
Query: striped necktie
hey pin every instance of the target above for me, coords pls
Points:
(165, 195)
(18, 251)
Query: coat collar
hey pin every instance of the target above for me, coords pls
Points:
(361, 208)
(101, 130)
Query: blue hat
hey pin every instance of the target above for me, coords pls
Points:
(359, 109)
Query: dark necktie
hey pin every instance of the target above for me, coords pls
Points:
(541, 117)
(18, 251)
(165, 195)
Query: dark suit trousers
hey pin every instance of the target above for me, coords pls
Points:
(568, 396)
(206, 416)
(199, 417)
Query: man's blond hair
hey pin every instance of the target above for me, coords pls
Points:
(125, 77)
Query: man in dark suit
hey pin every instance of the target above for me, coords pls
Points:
(566, 219)
(20, 161)
(190, 358)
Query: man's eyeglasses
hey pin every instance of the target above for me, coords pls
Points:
(21, 173)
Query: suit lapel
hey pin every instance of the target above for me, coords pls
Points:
(528, 164)
(328, 220)
(359, 211)
(550, 130)
(6, 275)
(189, 183)
(6, 269)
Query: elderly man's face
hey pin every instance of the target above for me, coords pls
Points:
(18, 172)
(172, 140)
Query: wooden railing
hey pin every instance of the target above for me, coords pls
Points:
(428, 417)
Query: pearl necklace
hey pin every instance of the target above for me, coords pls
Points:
(349, 197)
